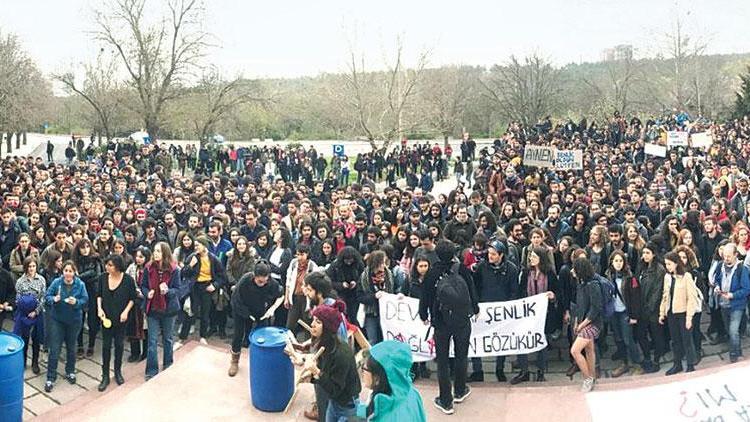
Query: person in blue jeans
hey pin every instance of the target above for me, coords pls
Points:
(622, 320)
(732, 282)
(163, 289)
(66, 298)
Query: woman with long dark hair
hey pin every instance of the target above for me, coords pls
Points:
(335, 371)
(344, 273)
(651, 281)
(376, 280)
(539, 277)
(89, 269)
(392, 397)
(185, 248)
(587, 320)
(240, 261)
(627, 310)
(678, 305)
(263, 245)
(408, 252)
(116, 299)
(163, 288)
(135, 331)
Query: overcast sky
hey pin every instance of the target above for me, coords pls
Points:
(291, 38)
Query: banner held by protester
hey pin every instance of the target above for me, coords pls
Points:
(569, 160)
(501, 328)
(539, 156)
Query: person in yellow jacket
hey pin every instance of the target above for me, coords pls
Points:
(679, 302)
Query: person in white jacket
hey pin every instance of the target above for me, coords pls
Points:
(294, 298)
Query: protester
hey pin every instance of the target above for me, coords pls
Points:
(162, 287)
(413, 288)
(447, 303)
(254, 301)
(732, 287)
(117, 294)
(496, 280)
(587, 321)
(135, 328)
(538, 278)
(66, 298)
(294, 298)
(29, 320)
(204, 273)
(375, 281)
(336, 369)
(678, 304)
(386, 374)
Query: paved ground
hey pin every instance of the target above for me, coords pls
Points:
(220, 398)
(37, 402)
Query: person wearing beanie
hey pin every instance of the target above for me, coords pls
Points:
(254, 301)
(448, 301)
(335, 371)
(319, 291)
(393, 397)
(205, 273)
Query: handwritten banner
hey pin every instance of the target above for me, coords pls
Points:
(701, 140)
(655, 150)
(723, 396)
(501, 328)
(539, 156)
(677, 139)
(569, 160)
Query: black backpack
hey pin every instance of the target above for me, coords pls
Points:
(452, 294)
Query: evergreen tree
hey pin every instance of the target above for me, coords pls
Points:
(742, 103)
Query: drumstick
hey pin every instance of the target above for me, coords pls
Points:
(302, 376)
(304, 325)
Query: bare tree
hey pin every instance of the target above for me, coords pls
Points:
(382, 99)
(158, 57)
(102, 91)
(214, 98)
(524, 91)
(446, 94)
(24, 92)
(615, 89)
(682, 51)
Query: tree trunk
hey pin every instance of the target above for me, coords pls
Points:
(9, 143)
(24, 137)
(445, 142)
(18, 140)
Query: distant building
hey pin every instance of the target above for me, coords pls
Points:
(618, 52)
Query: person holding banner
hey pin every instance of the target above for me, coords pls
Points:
(588, 320)
(448, 301)
(496, 280)
(538, 277)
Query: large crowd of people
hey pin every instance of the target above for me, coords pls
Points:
(144, 242)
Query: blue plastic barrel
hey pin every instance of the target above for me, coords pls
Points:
(271, 371)
(11, 378)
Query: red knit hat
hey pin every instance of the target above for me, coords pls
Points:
(329, 316)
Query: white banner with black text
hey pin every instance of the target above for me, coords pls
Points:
(514, 327)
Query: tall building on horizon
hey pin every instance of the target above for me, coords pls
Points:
(618, 52)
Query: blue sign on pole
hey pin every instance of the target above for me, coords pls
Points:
(338, 149)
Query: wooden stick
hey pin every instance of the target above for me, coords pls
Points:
(302, 376)
(304, 325)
